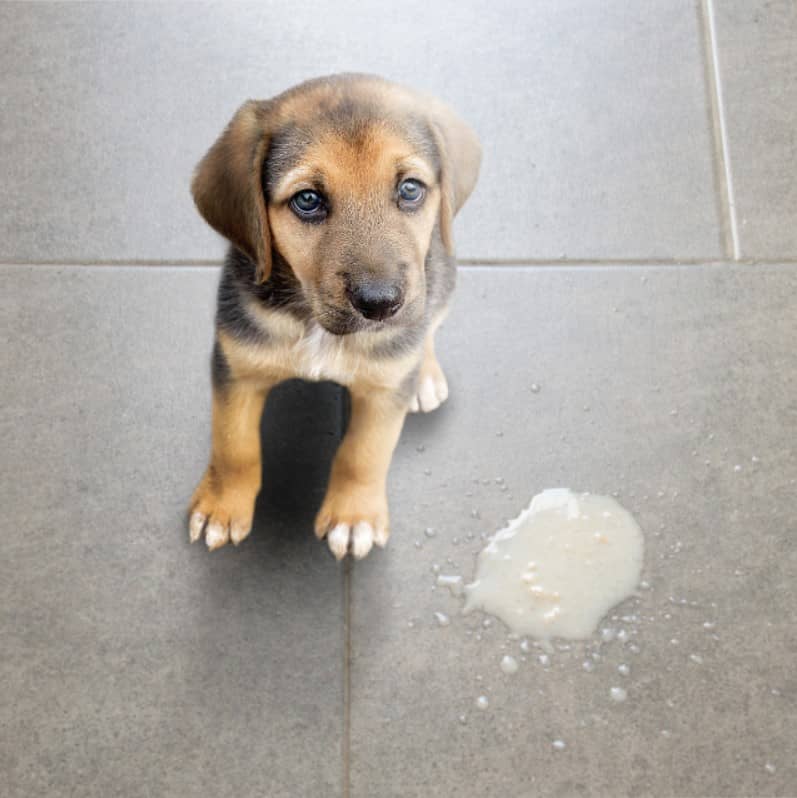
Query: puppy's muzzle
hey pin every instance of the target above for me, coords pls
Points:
(376, 299)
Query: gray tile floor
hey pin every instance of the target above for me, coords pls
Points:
(637, 177)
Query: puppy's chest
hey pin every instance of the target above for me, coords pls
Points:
(319, 355)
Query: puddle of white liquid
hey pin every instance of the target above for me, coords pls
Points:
(560, 566)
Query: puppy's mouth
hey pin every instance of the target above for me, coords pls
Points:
(340, 321)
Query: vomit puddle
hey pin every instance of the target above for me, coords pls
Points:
(560, 566)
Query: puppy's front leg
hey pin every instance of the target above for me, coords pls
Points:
(224, 501)
(354, 511)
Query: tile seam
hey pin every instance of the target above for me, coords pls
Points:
(464, 263)
(720, 130)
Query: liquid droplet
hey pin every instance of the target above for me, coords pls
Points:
(737, 468)
(770, 768)
(442, 619)
(559, 745)
(482, 702)
(463, 719)
(608, 634)
(623, 669)
(429, 532)
(545, 660)
(509, 664)
(588, 665)
(618, 694)
(535, 388)
(696, 658)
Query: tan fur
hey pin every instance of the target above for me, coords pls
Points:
(226, 495)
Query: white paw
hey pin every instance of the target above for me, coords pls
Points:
(432, 392)
(359, 537)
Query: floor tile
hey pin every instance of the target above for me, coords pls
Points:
(592, 115)
(757, 43)
(133, 663)
(673, 387)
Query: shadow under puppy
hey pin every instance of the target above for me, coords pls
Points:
(338, 198)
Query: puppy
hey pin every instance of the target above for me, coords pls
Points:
(338, 198)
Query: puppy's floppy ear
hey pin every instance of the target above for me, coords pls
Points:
(228, 188)
(460, 158)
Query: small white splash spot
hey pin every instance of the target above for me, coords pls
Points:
(618, 694)
(482, 702)
(559, 745)
(509, 665)
(442, 619)
(770, 768)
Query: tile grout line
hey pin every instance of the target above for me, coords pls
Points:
(346, 744)
(346, 677)
(463, 263)
(722, 148)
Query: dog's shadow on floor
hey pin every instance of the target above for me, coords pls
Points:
(300, 432)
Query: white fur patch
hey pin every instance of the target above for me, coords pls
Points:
(195, 526)
(338, 541)
(216, 535)
(360, 538)
(432, 392)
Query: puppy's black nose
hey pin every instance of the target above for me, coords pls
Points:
(375, 299)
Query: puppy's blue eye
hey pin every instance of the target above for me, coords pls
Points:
(308, 204)
(411, 192)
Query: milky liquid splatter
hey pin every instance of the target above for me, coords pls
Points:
(560, 566)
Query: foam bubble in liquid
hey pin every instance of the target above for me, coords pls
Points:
(560, 566)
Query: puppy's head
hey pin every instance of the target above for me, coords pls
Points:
(346, 178)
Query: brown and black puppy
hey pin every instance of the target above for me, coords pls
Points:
(338, 198)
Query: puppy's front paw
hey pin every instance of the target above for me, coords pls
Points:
(432, 388)
(221, 515)
(352, 520)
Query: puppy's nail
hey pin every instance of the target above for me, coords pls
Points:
(216, 536)
(195, 526)
(441, 386)
(239, 532)
(428, 395)
(338, 541)
(362, 539)
(380, 537)
(414, 408)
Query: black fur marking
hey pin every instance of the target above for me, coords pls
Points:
(231, 313)
(219, 367)
(238, 286)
